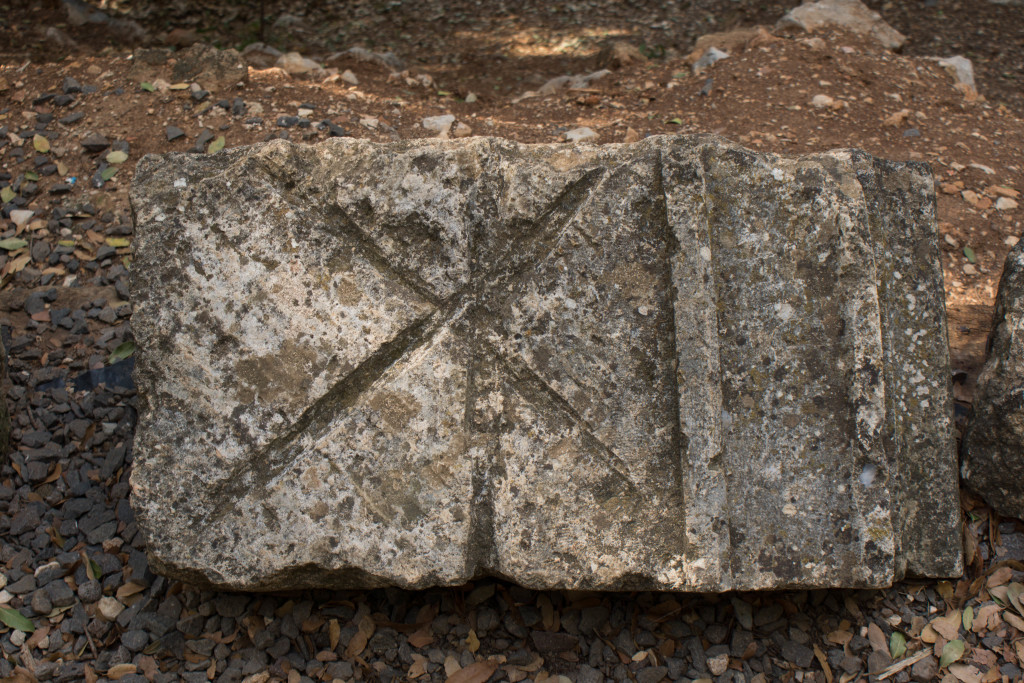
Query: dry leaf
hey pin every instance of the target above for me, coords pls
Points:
(965, 673)
(421, 638)
(478, 672)
(852, 608)
(358, 643)
(472, 642)
(419, 666)
(120, 670)
(334, 631)
(948, 626)
(986, 619)
(999, 577)
(877, 638)
(1014, 621)
(840, 637)
(823, 660)
(128, 589)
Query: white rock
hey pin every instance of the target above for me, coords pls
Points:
(1006, 204)
(462, 130)
(712, 55)
(369, 122)
(21, 216)
(109, 608)
(17, 638)
(960, 68)
(349, 77)
(822, 101)
(295, 64)
(471, 98)
(439, 124)
(851, 15)
(580, 134)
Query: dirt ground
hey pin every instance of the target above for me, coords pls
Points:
(479, 62)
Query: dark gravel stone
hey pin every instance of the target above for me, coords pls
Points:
(71, 118)
(652, 674)
(238, 107)
(798, 654)
(61, 188)
(173, 133)
(231, 605)
(135, 639)
(60, 594)
(70, 86)
(200, 95)
(287, 121)
(90, 591)
(41, 603)
(546, 641)
(94, 142)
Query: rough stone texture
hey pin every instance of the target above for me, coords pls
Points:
(677, 364)
(851, 15)
(994, 444)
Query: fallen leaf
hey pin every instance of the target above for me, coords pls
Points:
(41, 144)
(12, 243)
(968, 617)
(129, 589)
(472, 642)
(877, 638)
(1003, 574)
(147, 86)
(675, 121)
(108, 173)
(972, 258)
(117, 157)
(421, 638)
(823, 660)
(1013, 593)
(951, 651)
(16, 620)
(948, 626)
(419, 666)
(121, 670)
(216, 146)
(478, 672)
(125, 350)
(7, 194)
(179, 86)
(358, 643)
(118, 242)
(840, 637)
(334, 632)
(965, 673)
(897, 645)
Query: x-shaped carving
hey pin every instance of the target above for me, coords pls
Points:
(466, 313)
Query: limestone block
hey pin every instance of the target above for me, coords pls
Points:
(852, 15)
(994, 444)
(677, 364)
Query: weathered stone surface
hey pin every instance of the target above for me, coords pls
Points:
(994, 444)
(852, 15)
(677, 364)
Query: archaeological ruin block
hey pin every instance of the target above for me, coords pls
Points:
(676, 365)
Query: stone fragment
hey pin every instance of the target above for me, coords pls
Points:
(675, 365)
(852, 15)
(993, 463)
(212, 68)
